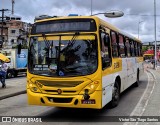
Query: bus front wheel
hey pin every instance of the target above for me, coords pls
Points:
(115, 95)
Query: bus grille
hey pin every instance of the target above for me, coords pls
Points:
(60, 83)
(65, 91)
(60, 100)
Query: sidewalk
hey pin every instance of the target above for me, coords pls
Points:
(153, 106)
(14, 86)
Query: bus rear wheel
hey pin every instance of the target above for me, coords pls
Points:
(115, 95)
(136, 84)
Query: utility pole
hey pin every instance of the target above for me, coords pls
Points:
(139, 26)
(155, 35)
(13, 2)
(2, 40)
(91, 7)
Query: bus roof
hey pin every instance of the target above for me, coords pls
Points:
(102, 22)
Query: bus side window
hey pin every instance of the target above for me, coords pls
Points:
(121, 46)
(139, 49)
(114, 44)
(105, 50)
(141, 54)
(128, 51)
(138, 53)
(132, 48)
(135, 48)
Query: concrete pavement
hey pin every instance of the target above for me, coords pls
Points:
(153, 105)
(14, 86)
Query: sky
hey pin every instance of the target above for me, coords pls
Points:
(137, 13)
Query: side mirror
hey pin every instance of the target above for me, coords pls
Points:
(106, 40)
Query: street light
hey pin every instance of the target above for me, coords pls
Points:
(138, 27)
(111, 14)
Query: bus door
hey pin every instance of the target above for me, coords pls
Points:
(106, 68)
(123, 55)
(131, 64)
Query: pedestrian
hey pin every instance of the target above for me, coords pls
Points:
(3, 73)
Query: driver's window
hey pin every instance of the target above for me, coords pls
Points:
(105, 50)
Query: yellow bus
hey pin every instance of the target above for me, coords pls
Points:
(80, 62)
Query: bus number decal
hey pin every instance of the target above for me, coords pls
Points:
(116, 65)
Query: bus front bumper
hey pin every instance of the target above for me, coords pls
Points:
(73, 101)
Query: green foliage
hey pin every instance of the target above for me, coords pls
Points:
(144, 48)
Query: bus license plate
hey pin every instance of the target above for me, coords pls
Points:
(88, 101)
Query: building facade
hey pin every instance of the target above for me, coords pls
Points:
(148, 50)
(13, 27)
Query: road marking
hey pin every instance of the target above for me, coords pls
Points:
(141, 106)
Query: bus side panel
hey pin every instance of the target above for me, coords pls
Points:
(131, 71)
(123, 75)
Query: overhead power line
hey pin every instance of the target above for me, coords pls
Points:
(140, 15)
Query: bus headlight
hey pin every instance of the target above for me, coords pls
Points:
(33, 87)
(90, 88)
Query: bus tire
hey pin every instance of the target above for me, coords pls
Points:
(136, 84)
(115, 95)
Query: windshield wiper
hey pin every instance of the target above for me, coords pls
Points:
(72, 41)
(74, 36)
(46, 41)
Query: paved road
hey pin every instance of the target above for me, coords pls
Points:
(17, 106)
(13, 87)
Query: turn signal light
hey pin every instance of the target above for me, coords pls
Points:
(90, 88)
(33, 87)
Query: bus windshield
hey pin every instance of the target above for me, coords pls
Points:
(63, 55)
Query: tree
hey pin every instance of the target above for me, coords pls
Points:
(144, 48)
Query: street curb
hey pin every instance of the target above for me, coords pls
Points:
(152, 74)
(13, 94)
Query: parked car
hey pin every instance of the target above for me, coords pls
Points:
(147, 60)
